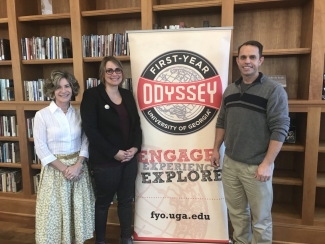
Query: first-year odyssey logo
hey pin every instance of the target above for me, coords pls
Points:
(179, 92)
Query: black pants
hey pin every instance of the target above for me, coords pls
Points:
(108, 181)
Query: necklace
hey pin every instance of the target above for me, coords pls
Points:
(64, 111)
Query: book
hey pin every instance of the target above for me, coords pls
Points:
(66, 48)
(4, 49)
(10, 95)
(3, 91)
(323, 92)
(13, 125)
(279, 78)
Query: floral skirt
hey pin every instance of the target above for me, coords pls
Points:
(64, 209)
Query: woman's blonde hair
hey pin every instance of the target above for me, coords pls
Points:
(52, 83)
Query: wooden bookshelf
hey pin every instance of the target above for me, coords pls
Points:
(282, 52)
(295, 147)
(292, 32)
(36, 166)
(49, 61)
(9, 138)
(5, 62)
(108, 14)
(99, 59)
(320, 180)
(286, 177)
(189, 7)
(10, 165)
(48, 18)
(4, 21)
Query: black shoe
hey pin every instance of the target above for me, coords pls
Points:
(126, 241)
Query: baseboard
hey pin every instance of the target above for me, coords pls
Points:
(298, 233)
(23, 210)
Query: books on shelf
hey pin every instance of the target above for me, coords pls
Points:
(105, 45)
(9, 152)
(10, 180)
(4, 49)
(8, 125)
(127, 84)
(30, 126)
(92, 82)
(34, 91)
(279, 78)
(7, 90)
(54, 47)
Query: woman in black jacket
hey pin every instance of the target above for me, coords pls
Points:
(112, 124)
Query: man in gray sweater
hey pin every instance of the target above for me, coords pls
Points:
(253, 122)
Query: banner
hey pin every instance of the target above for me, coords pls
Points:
(178, 80)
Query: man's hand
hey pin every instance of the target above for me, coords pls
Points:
(215, 159)
(264, 172)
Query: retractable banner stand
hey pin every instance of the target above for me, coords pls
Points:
(178, 79)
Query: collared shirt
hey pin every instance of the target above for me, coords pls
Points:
(58, 133)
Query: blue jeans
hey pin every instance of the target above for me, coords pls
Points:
(108, 181)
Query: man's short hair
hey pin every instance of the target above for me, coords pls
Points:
(253, 43)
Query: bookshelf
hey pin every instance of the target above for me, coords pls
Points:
(292, 32)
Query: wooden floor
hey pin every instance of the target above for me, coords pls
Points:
(24, 233)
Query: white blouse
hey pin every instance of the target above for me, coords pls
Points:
(58, 133)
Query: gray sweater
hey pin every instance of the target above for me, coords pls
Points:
(253, 118)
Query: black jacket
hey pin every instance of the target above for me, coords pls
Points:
(100, 121)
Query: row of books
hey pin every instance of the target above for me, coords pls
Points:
(105, 45)
(30, 126)
(93, 82)
(4, 49)
(34, 90)
(10, 180)
(9, 152)
(54, 47)
(8, 125)
(7, 90)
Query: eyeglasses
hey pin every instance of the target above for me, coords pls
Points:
(111, 71)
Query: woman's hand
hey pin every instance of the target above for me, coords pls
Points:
(120, 156)
(130, 154)
(73, 172)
